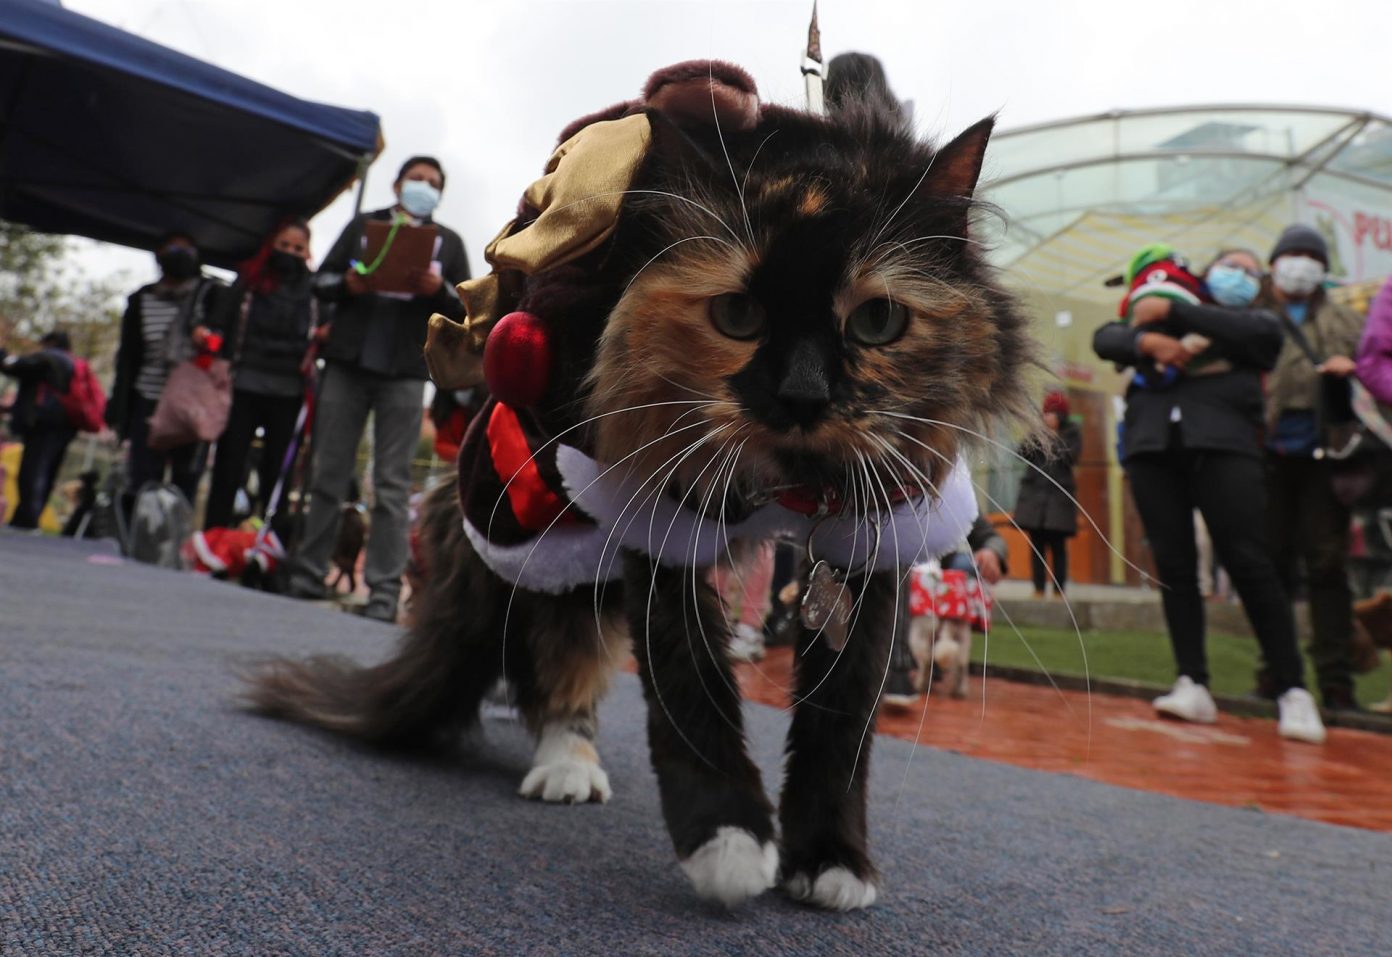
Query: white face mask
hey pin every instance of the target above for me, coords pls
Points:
(419, 198)
(1297, 275)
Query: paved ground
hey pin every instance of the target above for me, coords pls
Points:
(142, 813)
(1240, 761)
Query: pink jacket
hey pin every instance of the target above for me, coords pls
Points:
(1375, 351)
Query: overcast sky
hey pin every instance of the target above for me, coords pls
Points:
(487, 85)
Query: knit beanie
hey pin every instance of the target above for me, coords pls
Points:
(1057, 403)
(1301, 239)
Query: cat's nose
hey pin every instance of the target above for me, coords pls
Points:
(805, 389)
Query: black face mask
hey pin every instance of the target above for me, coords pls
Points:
(287, 267)
(178, 263)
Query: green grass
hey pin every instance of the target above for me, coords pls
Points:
(1141, 656)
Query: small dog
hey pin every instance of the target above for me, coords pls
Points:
(945, 605)
(1372, 632)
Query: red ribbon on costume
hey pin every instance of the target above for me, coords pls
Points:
(534, 503)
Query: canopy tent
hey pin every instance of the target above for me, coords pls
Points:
(1081, 195)
(106, 135)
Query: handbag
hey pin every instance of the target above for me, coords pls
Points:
(194, 405)
(197, 396)
(1353, 433)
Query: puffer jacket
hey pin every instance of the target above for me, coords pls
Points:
(1047, 488)
(1375, 349)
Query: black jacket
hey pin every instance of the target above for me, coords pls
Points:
(1222, 410)
(52, 368)
(379, 333)
(1042, 505)
(273, 343)
(130, 354)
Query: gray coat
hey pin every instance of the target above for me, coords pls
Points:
(1042, 506)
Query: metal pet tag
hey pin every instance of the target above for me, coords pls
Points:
(826, 606)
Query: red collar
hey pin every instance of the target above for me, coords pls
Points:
(826, 500)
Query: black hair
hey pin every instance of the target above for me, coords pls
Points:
(860, 77)
(57, 339)
(167, 238)
(416, 161)
(1228, 251)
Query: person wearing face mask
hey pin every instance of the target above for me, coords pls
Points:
(1307, 522)
(165, 323)
(375, 364)
(265, 322)
(1193, 443)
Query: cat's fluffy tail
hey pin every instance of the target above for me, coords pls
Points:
(429, 690)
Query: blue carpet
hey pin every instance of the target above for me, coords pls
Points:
(141, 813)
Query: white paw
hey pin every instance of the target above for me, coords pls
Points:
(569, 781)
(835, 889)
(732, 867)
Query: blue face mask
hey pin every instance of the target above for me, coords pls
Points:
(419, 198)
(1231, 286)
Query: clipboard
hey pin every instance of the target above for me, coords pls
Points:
(412, 248)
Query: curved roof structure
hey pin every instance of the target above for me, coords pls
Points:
(1081, 195)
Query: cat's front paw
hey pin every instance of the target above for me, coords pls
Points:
(732, 867)
(835, 888)
(567, 781)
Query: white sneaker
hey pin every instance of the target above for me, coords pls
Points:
(1188, 701)
(1300, 719)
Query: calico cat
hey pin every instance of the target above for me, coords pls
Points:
(766, 322)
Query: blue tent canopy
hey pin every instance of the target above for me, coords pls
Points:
(107, 135)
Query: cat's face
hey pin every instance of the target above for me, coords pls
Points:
(810, 311)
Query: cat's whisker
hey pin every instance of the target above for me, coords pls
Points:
(693, 486)
(1001, 446)
(671, 246)
(894, 626)
(651, 192)
(602, 568)
(659, 478)
(905, 201)
(554, 440)
(720, 135)
(512, 594)
(1068, 605)
(745, 184)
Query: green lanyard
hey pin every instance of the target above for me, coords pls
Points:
(363, 270)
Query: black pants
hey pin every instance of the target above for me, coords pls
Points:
(44, 449)
(1308, 525)
(183, 464)
(250, 411)
(1043, 543)
(1229, 491)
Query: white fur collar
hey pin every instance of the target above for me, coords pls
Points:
(626, 516)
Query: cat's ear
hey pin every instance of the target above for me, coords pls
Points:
(957, 166)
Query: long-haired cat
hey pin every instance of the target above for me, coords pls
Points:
(781, 327)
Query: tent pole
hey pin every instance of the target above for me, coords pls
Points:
(363, 163)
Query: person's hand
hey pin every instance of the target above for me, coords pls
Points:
(1150, 309)
(1337, 365)
(1165, 350)
(425, 282)
(200, 336)
(355, 284)
(988, 565)
(323, 331)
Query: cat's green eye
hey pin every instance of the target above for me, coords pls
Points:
(877, 322)
(738, 316)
